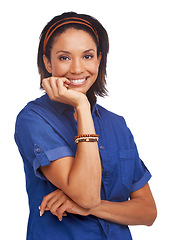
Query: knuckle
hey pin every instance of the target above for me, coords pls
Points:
(60, 194)
(45, 80)
(52, 97)
(45, 198)
(60, 211)
(67, 202)
(49, 205)
(63, 197)
(53, 211)
(61, 92)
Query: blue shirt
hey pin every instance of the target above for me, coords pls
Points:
(45, 132)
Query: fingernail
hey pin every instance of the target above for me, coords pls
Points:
(40, 213)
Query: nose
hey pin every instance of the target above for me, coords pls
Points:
(77, 66)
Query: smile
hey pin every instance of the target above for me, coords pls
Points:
(77, 82)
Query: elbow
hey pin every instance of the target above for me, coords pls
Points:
(152, 217)
(89, 199)
(89, 202)
(85, 198)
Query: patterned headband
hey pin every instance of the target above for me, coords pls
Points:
(65, 21)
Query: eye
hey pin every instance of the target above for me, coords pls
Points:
(64, 58)
(88, 56)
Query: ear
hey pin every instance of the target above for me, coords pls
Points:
(99, 59)
(47, 64)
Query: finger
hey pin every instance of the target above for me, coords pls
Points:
(61, 211)
(57, 204)
(45, 201)
(62, 84)
(60, 198)
(65, 80)
(54, 204)
(56, 201)
(53, 84)
(47, 87)
(46, 208)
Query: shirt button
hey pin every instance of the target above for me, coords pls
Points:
(106, 224)
(106, 173)
(101, 147)
(38, 150)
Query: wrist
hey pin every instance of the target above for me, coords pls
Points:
(94, 211)
(83, 104)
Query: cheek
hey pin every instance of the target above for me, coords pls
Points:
(94, 68)
(59, 69)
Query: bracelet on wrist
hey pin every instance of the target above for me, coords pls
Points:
(86, 138)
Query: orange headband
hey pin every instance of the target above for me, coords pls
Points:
(76, 20)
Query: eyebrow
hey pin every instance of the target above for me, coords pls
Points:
(89, 50)
(67, 52)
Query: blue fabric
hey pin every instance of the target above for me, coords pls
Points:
(45, 132)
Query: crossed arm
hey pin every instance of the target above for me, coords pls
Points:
(78, 178)
(139, 210)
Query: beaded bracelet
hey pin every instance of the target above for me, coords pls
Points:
(86, 135)
(86, 138)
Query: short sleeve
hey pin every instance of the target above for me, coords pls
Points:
(38, 142)
(141, 174)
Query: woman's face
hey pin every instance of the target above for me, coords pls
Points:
(74, 56)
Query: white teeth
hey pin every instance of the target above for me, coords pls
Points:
(78, 81)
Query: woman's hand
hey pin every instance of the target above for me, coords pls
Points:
(58, 90)
(58, 204)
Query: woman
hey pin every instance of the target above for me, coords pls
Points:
(81, 163)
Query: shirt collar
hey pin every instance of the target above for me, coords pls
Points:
(62, 107)
(96, 110)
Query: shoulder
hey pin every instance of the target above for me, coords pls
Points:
(114, 120)
(27, 111)
(104, 112)
(110, 115)
(34, 114)
(41, 107)
(43, 116)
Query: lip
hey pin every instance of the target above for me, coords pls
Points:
(77, 81)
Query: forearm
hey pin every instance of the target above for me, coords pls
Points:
(132, 212)
(80, 176)
(85, 174)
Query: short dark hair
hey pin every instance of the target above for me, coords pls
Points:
(99, 87)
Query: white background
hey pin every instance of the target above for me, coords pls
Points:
(149, 80)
